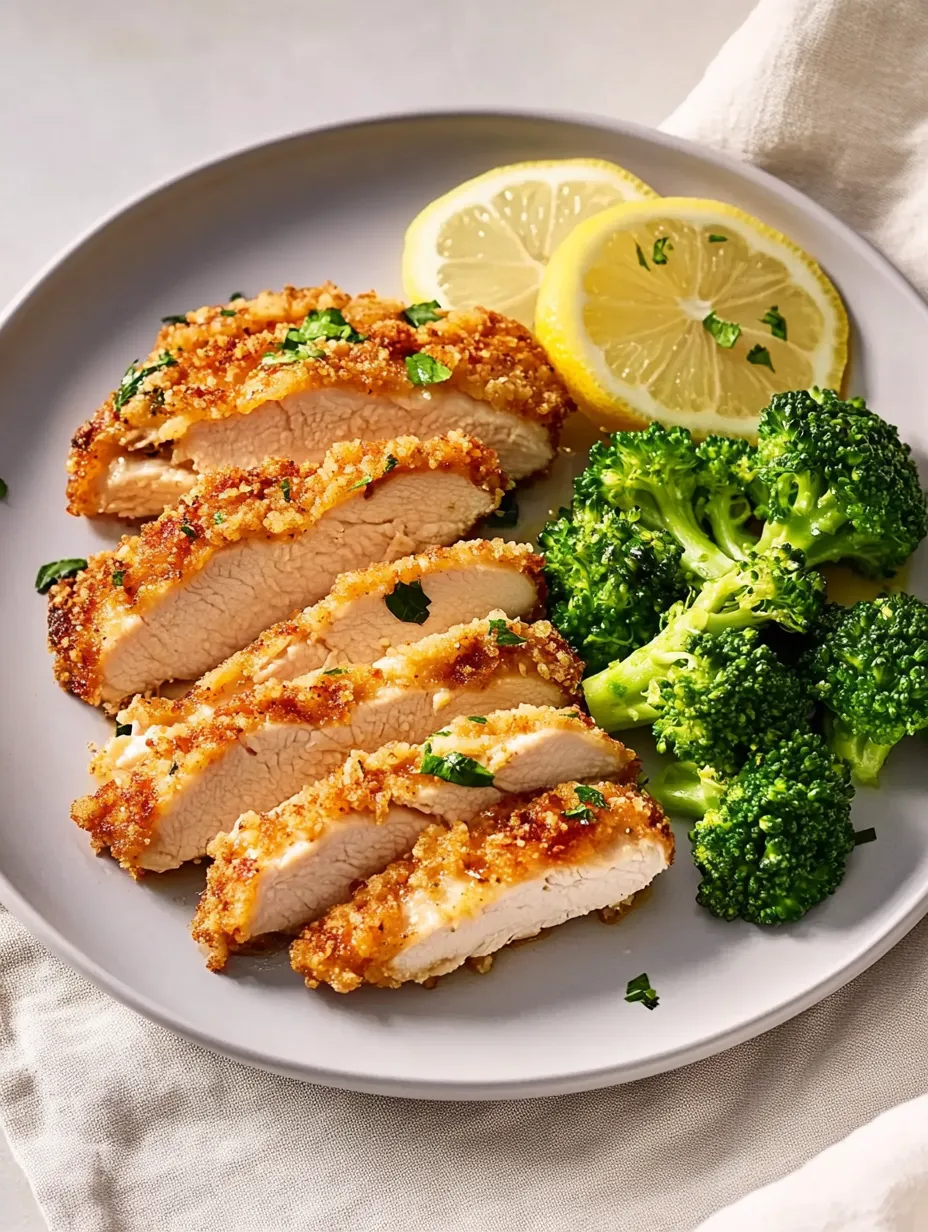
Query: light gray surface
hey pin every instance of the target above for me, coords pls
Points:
(100, 101)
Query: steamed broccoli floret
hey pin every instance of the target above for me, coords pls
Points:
(657, 471)
(726, 476)
(774, 840)
(839, 483)
(610, 580)
(869, 665)
(729, 698)
(774, 587)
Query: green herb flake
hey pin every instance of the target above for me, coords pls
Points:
(455, 768)
(591, 795)
(392, 464)
(444, 732)
(135, 376)
(55, 570)
(188, 530)
(507, 514)
(119, 577)
(228, 312)
(718, 239)
(327, 323)
(4, 490)
(219, 518)
(362, 483)
(777, 323)
(409, 602)
(661, 247)
(864, 836)
(335, 671)
(419, 314)
(423, 369)
(760, 355)
(505, 635)
(237, 295)
(726, 333)
(476, 718)
(285, 488)
(291, 355)
(639, 989)
(642, 261)
(175, 318)
(580, 813)
(123, 729)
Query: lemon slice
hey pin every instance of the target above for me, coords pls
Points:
(623, 311)
(487, 241)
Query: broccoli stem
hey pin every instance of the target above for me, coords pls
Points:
(812, 525)
(727, 515)
(683, 789)
(700, 555)
(864, 756)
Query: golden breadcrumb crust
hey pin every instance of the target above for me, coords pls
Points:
(312, 624)
(514, 841)
(277, 500)
(366, 783)
(217, 371)
(122, 814)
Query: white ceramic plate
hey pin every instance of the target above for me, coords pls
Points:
(551, 1016)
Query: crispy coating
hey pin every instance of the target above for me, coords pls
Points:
(515, 841)
(217, 371)
(123, 813)
(239, 670)
(277, 500)
(366, 783)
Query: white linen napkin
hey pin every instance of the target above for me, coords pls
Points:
(122, 1126)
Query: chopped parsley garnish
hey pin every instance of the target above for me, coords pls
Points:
(444, 732)
(419, 314)
(505, 635)
(641, 258)
(335, 671)
(55, 570)
(661, 247)
(476, 718)
(776, 321)
(119, 577)
(591, 795)
(864, 836)
(455, 768)
(726, 333)
(327, 323)
(227, 312)
(237, 295)
(392, 464)
(219, 518)
(3, 489)
(409, 602)
(639, 989)
(424, 369)
(508, 512)
(362, 483)
(188, 530)
(718, 239)
(760, 355)
(288, 354)
(173, 769)
(123, 729)
(580, 813)
(175, 318)
(285, 488)
(134, 376)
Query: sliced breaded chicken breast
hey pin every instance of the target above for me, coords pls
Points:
(247, 548)
(527, 864)
(167, 793)
(278, 870)
(288, 374)
(365, 614)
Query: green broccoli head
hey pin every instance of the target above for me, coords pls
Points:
(729, 698)
(869, 664)
(727, 476)
(610, 580)
(777, 841)
(839, 483)
(772, 587)
(658, 472)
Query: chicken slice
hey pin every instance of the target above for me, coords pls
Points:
(360, 620)
(167, 793)
(247, 548)
(278, 870)
(221, 389)
(527, 864)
